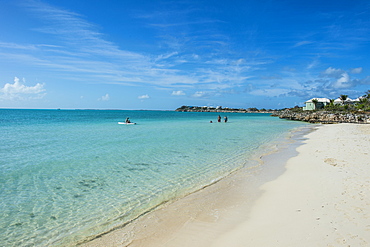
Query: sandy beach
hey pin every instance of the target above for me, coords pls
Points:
(322, 198)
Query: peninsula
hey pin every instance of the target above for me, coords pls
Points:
(185, 108)
(317, 110)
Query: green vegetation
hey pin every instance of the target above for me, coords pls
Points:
(296, 109)
(343, 98)
(363, 105)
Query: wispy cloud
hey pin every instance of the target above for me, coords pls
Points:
(177, 24)
(67, 25)
(166, 56)
(8, 45)
(192, 54)
(303, 43)
(78, 47)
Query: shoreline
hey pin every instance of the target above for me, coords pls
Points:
(325, 117)
(312, 192)
(321, 200)
(203, 215)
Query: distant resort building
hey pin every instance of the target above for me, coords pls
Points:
(320, 103)
(338, 101)
(348, 101)
(316, 103)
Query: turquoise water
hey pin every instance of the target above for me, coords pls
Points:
(69, 175)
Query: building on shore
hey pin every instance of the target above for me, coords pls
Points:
(315, 104)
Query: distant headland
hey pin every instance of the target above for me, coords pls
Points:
(327, 115)
(185, 108)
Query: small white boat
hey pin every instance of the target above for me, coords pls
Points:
(126, 123)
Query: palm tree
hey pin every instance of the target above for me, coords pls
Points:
(343, 98)
(363, 100)
(315, 101)
(367, 94)
(330, 105)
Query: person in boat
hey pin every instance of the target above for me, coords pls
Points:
(128, 120)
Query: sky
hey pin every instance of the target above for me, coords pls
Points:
(160, 55)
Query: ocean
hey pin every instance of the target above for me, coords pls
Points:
(69, 175)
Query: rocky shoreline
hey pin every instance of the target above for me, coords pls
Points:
(321, 116)
(324, 117)
(220, 109)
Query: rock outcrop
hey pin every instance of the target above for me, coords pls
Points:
(220, 109)
(324, 117)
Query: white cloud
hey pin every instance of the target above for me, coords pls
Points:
(313, 64)
(166, 56)
(178, 93)
(356, 70)
(104, 97)
(332, 72)
(18, 90)
(343, 82)
(195, 56)
(145, 96)
(199, 94)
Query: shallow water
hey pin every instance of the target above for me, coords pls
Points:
(66, 175)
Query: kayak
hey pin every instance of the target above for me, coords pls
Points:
(126, 123)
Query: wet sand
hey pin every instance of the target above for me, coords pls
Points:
(315, 194)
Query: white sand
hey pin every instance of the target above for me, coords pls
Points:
(322, 199)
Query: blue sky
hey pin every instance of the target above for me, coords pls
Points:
(119, 54)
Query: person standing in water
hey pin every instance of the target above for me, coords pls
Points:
(225, 119)
(219, 119)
